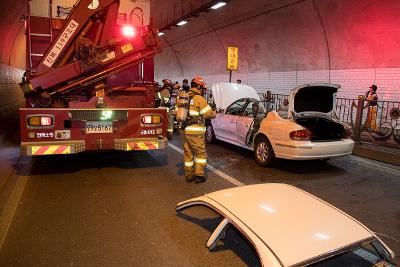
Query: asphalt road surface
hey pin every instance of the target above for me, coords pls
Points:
(118, 209)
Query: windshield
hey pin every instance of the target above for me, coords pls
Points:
(366, 254)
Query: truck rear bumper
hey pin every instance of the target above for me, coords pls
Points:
(52, 148)
(140, 144)
(73, 147)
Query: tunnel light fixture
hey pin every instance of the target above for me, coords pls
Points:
(161, 33)
(218, 5)
(182, 22)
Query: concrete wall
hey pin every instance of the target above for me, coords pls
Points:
(284, 43)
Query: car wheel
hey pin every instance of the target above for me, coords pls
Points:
(210, 136)
(263, 152)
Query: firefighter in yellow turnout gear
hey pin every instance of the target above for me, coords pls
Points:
(164, 101)
(195, 155)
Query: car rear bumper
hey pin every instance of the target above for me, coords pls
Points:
(73, 147)
(313, 150)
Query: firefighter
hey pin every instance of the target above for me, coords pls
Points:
(164, 100)
(195, 156)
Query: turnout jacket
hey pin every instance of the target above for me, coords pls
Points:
(199, 110)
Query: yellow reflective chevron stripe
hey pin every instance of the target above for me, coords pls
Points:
(205, 110)
(193, 128)
(194, 113)
(201, 161)
(189, 163)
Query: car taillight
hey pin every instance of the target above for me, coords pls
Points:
(300, 135)
(37, 121)
(151, 119)
(347, 133)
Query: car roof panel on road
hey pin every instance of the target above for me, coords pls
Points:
(296, 225)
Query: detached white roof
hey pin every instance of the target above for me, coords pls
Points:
(296, 225)
(227, 93)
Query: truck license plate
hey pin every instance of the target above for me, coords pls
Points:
(99, 127)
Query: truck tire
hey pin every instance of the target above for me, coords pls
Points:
(210, 136)
(263, 152)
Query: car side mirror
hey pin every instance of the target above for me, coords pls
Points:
(219, 233)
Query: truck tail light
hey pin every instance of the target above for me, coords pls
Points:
(40, 120)
(151, 119)
(46, 121)
(300, 135)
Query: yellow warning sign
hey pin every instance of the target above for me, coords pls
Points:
(233, 53)
(126, 48)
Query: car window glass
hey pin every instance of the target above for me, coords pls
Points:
(236, 108)
(250, 109)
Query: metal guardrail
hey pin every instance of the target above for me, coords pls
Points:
(378, 125)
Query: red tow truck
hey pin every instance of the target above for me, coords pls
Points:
(92, 86)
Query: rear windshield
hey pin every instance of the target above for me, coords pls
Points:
(368, 254)
(316, 98)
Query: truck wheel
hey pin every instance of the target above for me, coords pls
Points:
(263, 152)
(210, 136)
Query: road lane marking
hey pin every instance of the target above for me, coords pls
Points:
(213, 169)
(11, 206)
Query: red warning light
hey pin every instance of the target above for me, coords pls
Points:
(128, 31)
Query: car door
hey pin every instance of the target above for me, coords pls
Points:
(225, 124)
(245, 121)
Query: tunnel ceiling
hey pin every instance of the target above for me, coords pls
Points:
(12, 46)
(280, 36)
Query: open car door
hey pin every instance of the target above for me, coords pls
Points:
(249, 122)
(225, 124)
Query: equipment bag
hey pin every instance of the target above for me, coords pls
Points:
(182, 107)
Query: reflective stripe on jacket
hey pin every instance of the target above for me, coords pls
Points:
(198, 108)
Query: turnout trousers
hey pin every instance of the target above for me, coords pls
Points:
(195, 155)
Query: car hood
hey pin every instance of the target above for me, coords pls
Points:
(315, 97)
(226, 93)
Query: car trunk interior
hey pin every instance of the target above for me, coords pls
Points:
(322, 129)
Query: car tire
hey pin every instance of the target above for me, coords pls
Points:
(210, 136)
(263, 152)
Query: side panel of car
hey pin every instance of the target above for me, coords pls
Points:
(225, 127)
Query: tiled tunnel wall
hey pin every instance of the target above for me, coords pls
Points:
(353, 82)
(286, 43)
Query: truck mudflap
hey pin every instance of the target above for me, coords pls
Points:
(140, 144)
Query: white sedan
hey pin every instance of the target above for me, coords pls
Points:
(290, 227)
(305, 129)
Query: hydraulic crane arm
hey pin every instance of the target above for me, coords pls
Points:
(81, 19)
(77, 58)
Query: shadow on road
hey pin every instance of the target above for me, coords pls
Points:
(234, 240)
(95, 160)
